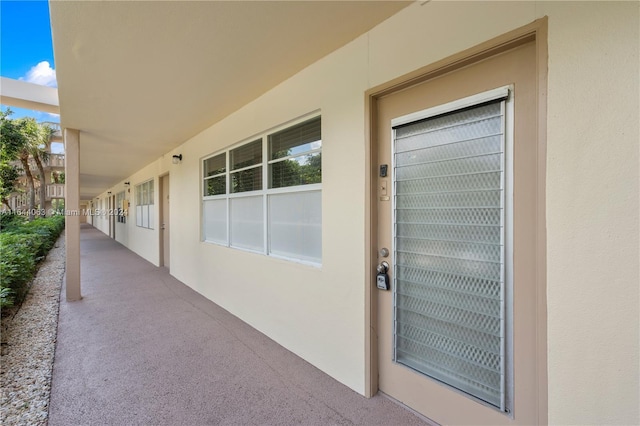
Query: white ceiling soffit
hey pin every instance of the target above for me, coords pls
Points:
(139, 78)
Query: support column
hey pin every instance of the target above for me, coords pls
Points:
(72, 209)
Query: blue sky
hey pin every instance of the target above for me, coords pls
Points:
(26, 50)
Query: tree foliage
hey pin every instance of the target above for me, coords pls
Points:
(22, 139)
(8, 176)
(303, 170)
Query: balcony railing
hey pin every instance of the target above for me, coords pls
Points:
(55, 160)
(55, 190)
(21, 200)
(57, 131)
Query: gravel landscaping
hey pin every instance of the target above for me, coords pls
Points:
(28, 346)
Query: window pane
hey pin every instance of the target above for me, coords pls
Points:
(151, 214)
(300, 138)
(246, 155)
(302, 170)
(145, 216)
(295, 225)
(246, 223)
(142, 191)
(150, 193)
(138, 215)
(215, 186)
(247, 180)
(215, 221)
(215, 165)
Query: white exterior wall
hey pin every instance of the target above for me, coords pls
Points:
(592, 199)
(143, 241)
(98, 220)
(592, 213)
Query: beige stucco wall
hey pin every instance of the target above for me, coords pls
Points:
(592, 213)
(316, 312)
(592, 199)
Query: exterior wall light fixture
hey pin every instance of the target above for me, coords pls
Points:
(127, 183)
(177, 159)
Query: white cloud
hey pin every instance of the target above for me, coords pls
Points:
(41, 74)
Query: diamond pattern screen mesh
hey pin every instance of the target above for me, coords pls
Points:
(449, 241)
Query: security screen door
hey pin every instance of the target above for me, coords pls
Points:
(456, 331)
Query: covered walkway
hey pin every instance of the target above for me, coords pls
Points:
(143, 348)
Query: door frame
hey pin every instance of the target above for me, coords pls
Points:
(112, 216)
(533, 32)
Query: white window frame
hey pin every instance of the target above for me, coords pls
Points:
(118, 210)
(145, 210)
(265, 192)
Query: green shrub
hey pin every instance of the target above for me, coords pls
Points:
(18, 261)
(6, 298)
(48, 229)
(9, 221)
(22, 247)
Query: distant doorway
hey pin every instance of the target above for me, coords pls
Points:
(165, 222)
(112, 216)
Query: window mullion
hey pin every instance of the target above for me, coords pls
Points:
(253, 166)
(214, 176)
(265, 186)
(228, 203)
(300, 154)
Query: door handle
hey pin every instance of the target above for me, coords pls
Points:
(383, 267)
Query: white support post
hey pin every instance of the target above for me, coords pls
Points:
(72, 217)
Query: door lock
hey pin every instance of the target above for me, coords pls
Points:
(382, 279)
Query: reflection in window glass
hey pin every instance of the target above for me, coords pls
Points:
(215, 178)
(246, 155)
(295, 155)
(302, 170)
(246, 166)
(215, 165)
(216, 185)
(246, 180)
(295, 140)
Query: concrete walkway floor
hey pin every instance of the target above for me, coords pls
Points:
(141, 348)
